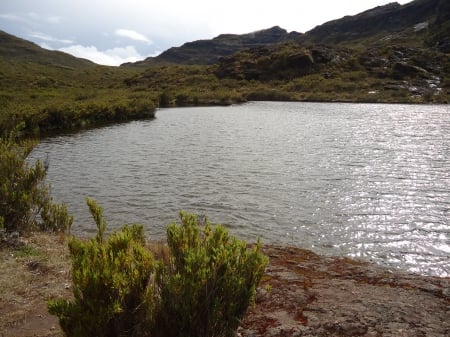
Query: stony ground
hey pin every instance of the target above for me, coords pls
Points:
(302, 294)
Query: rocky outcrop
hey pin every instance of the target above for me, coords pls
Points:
(402, 70)
(278, 62)
(304, 294)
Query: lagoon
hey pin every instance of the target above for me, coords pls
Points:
(370, 181)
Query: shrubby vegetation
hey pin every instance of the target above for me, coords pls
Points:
(49, 97)
(201, 287)
(111, 284)
(209, 281)
(25, 201)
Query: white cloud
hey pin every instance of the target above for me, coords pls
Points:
(133, 35)
(48, 38)
(9, 16)
(34, 16)
(110, 57)
(53, 19)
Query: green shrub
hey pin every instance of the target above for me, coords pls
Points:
(23, 191)
(269, 95)
(209, 282)
(111, 288)
(55, 217)
(20, 185)
(202, 288)
(166, 99)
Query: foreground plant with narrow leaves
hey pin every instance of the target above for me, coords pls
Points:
(202, 288)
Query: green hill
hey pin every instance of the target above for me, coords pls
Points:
(12, 47)
(50, 91)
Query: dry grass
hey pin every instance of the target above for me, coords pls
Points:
(36, 270)
(32, 273)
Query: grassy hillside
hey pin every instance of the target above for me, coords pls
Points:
(12, 47)
(48, 90)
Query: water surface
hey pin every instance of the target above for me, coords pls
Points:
(365, 180)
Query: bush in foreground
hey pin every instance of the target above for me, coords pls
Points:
(111, 283)
(25, 201)
(209, 282)
(202, 288)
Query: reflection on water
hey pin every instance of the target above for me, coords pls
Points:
(370, 181)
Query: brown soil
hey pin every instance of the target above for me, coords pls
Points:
(29, 278)
(302, 294)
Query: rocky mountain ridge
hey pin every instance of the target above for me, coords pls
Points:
(210, 51)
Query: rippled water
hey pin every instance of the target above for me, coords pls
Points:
(370, 181)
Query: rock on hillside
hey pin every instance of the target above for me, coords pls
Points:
(285, 61)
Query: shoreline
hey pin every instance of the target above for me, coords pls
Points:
(301, 294)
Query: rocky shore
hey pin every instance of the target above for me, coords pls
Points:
(302, 294)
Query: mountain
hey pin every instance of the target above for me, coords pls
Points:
(432, 15)
(12, 47)
(392, 51)
(390, 18)
(210, 51)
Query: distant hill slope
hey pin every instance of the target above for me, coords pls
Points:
(12, 47)
(392, 50)
(391, 18)
(210, 51)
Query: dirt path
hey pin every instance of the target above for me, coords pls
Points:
(28, 279)
(302, 294)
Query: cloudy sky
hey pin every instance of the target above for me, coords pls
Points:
(116, 31)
